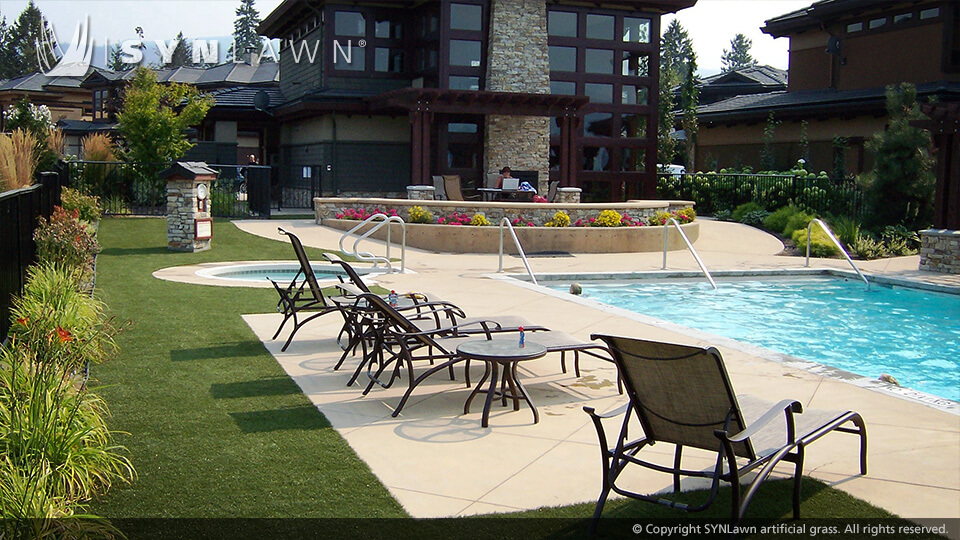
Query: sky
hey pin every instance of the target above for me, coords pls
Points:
(711, 23)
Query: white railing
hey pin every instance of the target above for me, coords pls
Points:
(696, 256)
(516, 242)
(366, 255)
(839, 246)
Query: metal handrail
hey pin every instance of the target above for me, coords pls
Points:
(839, 246)
(367, 256)
(516, 242)
(696, 255)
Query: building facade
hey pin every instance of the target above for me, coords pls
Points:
(380, 95)
(843, 53)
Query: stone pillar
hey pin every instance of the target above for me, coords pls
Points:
(189, 225)
(517, 61)
(421, 193)
(569, 195)
(940, 250)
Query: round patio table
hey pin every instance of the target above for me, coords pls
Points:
(496, 353)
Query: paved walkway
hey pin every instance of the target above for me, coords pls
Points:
(439, 462)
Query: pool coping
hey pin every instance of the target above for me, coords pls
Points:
(909, 394)
(197, 274)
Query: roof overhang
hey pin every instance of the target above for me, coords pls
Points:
(821, 13)
(477, 102)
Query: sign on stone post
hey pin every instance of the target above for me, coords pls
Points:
(189, 225)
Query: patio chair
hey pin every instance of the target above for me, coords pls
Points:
(438, 192)
(491, 180)
(451, 186)
(552, 190)
(301, 296)
(682, 395)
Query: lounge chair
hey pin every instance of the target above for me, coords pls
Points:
(552, 189)
(438, 192)
(451, 186)
(682, 395)
(400, 342)
(301, 296)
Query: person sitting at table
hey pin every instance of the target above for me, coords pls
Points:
(504, 173)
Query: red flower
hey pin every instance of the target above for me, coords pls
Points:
(64, 335)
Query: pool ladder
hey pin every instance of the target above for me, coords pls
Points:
(696, 256)
(383, 220)
(837, 243)
(516, 242)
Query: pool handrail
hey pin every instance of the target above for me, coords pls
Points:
(835, 241)
(696, 256)
(516, 242)
(367, 256)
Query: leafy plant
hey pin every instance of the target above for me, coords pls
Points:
(65, 241)
(754, 218)
(520, 222)
(723, 215)
(820, 243)
(866, 247)
(796, 221)
(901, 235)
(745, 208)
(560, 219)
(847, 230)
(416, 214)
(98, 177)
(87, 206)
(608, 218)
(777, 220)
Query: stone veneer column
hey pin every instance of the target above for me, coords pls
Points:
(517, 61)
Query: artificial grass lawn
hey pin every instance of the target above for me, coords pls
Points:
(217, 429)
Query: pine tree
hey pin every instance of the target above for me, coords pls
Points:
(676, 55)
(689, 101)
(245, 30)
(116, 59)
(182, 54)
(22, 41)
(739, 54)
(899, 189)
(6, 50)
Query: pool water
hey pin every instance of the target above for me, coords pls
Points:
(911, 334)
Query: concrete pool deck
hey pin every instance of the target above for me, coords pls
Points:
(439, 462)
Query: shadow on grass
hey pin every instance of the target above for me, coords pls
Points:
(240, 349)
(275, 386)
(293, 418)
(134, 251)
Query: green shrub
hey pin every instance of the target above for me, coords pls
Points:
(65, 241)
(900, 235)
(417, 214)
(87, 206)
(754, 218)
(744, 209)
(820, 243)
(60, 323)
(866, 247)
(847, 230)
(723, 215)
(797, 221)
(776, 222)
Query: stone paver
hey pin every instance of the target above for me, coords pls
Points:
(439, 462)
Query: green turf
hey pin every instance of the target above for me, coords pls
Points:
(217, 429)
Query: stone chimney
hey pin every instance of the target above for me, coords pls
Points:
(518, 61)
(253, 56)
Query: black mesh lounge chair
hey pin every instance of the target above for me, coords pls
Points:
(400, 343)
(682, 395)
(301, 296)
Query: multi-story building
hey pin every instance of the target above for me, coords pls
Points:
(843, 53)
(382, 94)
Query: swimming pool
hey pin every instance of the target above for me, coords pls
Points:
(911, 334)
(281, 272)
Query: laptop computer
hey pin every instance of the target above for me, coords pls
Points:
(510, 184)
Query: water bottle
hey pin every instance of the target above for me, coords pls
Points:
(521, 337)
(392, 298)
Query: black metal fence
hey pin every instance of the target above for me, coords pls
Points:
(19, 210)
(715, 191)
(135, 189)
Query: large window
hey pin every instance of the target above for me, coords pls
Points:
(466, 17)
(464, 53)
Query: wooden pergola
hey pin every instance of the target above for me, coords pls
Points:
(422, 103)
(944, 124)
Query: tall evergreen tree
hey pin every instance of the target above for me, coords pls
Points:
(739, 54)
(245, 30)
(676, 54)
(6, 51)
(23, 38)
(689, 101)
(116, 59)
(182, 53)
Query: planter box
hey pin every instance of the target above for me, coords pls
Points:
(468, 239)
